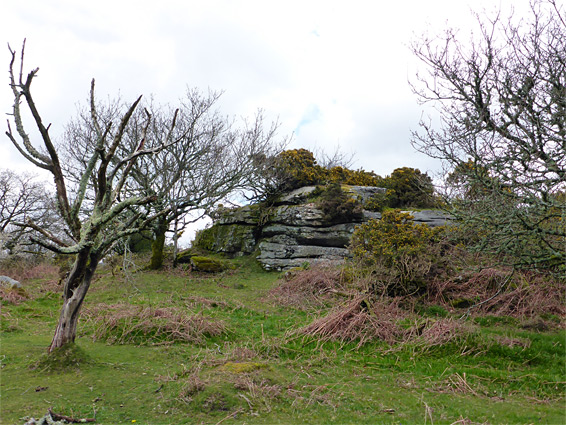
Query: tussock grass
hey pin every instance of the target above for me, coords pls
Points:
(311, 288)
(62, 359)
(129, 324)
(493, 291)
(359, 321)
(13, 295)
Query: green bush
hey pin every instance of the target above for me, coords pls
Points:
(400, 252)
(337, 206)
(409, 187)
(298, 167)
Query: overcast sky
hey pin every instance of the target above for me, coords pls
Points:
(334, 73)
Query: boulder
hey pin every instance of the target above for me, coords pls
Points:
(297, 196)
(431, 218)
(207, 264)
(363, 193)
(8, 282)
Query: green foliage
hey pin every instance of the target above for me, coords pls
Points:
(409, 187)
(352, 177)
(377, 202)
(337, 206)
(398, 249)
(298, 167)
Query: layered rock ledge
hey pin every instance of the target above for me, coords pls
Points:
(294, 231)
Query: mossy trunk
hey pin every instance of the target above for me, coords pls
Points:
(157, 246)
(74, 293)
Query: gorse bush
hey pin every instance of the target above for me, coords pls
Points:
(400, 253)
(409, 187)
(406, 187)
(337, 206)
(298, 167)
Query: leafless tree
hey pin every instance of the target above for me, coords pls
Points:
(501, 99)
(22, 198)
(92, 225)
(212, 161)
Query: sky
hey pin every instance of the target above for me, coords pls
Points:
(335, 74)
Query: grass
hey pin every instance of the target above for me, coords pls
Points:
(261, 367)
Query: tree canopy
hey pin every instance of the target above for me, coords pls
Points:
(501, 99)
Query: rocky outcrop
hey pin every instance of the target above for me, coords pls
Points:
(294, 231)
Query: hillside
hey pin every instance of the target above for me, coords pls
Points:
(249, 346)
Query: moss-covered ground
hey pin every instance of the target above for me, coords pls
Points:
(255, 370)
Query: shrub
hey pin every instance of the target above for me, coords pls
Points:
(337, 206)
(409, 187)
(400, 252)
(297, 168)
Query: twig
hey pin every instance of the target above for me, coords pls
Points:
(499, 290)
(239, 410)
(58, 417)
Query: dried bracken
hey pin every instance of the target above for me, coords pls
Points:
(310, 288)
(498, 292)
(13, 295)
(124, 324)
(359, 320)
(443, 331)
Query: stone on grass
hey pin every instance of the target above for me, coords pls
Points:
(8, 282)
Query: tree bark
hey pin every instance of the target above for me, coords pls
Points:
(157, 246)
(74, 293)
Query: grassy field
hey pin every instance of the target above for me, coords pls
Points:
(176, 348)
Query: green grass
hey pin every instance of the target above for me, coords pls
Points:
(259, 372)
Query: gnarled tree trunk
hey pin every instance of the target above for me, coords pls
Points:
(74, 293)
(158, 245)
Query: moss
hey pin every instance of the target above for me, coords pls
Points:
(242, 367)
(157, 252)
(227, 238)
(184, 257)
(69, 356)
(461, 303)
(207, 264)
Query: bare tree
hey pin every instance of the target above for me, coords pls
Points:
(212, 161)
(501, 99)
(92, 225)
(22, 198)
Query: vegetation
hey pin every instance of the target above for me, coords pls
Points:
(296, 168)
(115, 181)
(502, 131)
(337, 206)
(247, 346)
(400, 253)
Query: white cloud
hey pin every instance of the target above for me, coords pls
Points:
(334, 72)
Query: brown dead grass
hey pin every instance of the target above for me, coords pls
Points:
(358, 320)
(13, 295)
(22, 269)
(312, 288)
(443, 331)
(129, 324)
(361, 321)
(526, 294)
